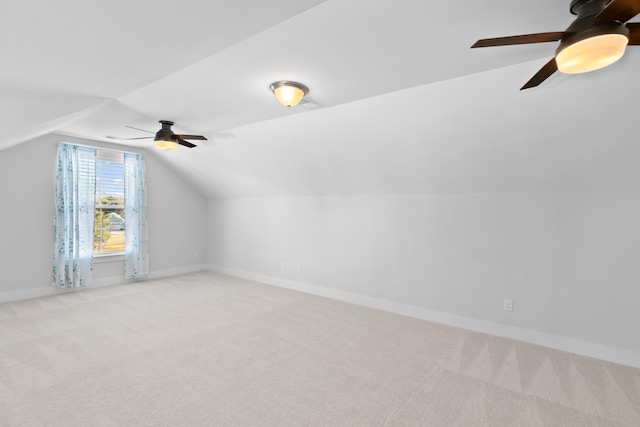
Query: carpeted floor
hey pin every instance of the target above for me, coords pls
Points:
(208, 349)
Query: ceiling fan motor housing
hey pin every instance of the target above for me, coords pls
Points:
(584, 7)
(165, 134)
(586, 25)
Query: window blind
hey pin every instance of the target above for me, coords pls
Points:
(110, 189)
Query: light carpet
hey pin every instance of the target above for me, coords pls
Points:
(205, 349)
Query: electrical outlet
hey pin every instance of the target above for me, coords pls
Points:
(283, 266)
(299, 268)
(508, 305)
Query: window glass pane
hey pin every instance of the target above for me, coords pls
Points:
(110, 221)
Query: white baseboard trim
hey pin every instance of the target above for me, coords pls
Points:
(10, 296)
(175, 271)
(571, 345)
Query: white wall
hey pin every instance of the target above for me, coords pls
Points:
(570, 262)
(177, 219)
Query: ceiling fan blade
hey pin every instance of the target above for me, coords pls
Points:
(542, 75)
(634, 33)
(522, 39)
(185, 143)
(199, 137)
(619, 11)
(131, 127)
(142, 137)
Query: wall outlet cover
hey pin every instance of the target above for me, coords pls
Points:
(508, 305)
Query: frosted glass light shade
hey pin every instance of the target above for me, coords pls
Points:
(166, 145)
(591, 54)
(289, 94)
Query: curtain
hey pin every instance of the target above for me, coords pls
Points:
(74, 216)
(136, 258)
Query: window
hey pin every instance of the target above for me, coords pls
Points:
(110, 223)
(99, 195)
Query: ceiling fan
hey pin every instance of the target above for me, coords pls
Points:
(595, 39)
(166, 139)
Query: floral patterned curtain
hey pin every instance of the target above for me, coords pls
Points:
(74, 216)
(135, 212)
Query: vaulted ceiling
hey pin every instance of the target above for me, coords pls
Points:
(406, 106)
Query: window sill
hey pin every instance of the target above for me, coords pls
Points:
(115, 257)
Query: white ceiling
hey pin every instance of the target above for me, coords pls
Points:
(408, 107)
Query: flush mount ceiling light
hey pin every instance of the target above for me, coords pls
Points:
(289, 93)
(597, 38)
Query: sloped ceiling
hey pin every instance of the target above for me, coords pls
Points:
(407, 106)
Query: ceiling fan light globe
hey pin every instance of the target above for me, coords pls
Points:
(592, 53)
(166, 145)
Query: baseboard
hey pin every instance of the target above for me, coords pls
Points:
(10, 296)
(156, 274)
(596, 351)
